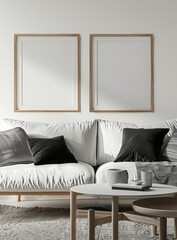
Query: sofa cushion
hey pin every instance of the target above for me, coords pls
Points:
(110, 139)
(110, 136)
(141, 144)
(101, 174)
(169, 153)
(14, 147)
(80, 137)
(52, 177)
(50, 151)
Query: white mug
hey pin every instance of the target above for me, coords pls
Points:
(116, 176)
(146, 177)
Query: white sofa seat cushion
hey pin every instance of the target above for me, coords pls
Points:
(53, 177)
(101, 174)
(80, 137)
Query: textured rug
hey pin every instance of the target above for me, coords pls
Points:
(53, 224)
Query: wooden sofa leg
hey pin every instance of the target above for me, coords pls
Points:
(18, 198)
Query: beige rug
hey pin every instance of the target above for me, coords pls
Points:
(53, 224)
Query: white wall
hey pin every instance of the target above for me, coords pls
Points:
(92, 16)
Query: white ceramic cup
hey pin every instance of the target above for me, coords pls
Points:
(116, 176)
(146, 177)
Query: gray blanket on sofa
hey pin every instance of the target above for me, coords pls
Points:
(165, 173)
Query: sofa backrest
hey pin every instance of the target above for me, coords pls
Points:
(80, 137)
(110, 134)
(94, 142)
(110, 139)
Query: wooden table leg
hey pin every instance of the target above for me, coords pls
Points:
(91, 224)
(175, 222)
(115, 209)
(162, 228)
(153, 230)
(73, 214)
(175, 227)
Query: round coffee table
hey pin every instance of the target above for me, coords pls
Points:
(105, 190)
(159, 207)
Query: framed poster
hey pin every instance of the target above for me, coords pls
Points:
(47, 72)
(121, 73)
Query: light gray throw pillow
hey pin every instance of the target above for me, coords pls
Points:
(14, 147)
(169, 153)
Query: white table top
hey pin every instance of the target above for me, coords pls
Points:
(105, 190)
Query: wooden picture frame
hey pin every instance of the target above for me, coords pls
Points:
(46, 72)
(121, 73)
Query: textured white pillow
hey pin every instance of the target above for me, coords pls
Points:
(80, 137)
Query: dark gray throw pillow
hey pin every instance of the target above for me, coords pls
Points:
(50, 151)
(14, 147)
(141, 145)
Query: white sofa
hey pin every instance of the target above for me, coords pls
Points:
(95, 144)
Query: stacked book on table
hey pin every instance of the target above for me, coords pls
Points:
(130, 186)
